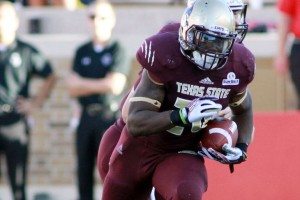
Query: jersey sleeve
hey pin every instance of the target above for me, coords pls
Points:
(153, 56)
(170, 27)
(40, 64)
(250, 66)
(245, 67)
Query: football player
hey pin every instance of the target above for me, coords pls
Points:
(111, 136)
(159, 143)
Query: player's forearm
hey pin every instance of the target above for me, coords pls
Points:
(245, 124)
(143, 123)
(44, 90)
(125, 108)
(244, 119)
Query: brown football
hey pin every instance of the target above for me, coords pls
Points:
(219, 132)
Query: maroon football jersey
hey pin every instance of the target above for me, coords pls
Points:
(184, 81)
(170, 27)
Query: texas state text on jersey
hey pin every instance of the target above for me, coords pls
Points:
(183, 81)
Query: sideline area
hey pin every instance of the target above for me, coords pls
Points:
(272, 171)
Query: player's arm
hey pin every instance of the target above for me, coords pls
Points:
(126, 102)
(125, 108)
(144, 117)
(241, 107)
(113, 83)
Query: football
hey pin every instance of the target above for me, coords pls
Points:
(219, 132)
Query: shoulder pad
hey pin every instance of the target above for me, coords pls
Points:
(159, 53)
(170, 27)
(244, 62)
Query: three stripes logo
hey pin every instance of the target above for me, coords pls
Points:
(148, 52)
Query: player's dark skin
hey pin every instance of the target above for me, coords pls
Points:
(146, 119)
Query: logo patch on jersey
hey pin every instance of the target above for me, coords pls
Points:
(206, 81)
(231, 79)
(86, 61)
(106, 60)
(15, 59)
(148, 52)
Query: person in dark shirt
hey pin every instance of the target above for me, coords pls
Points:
(19, 63)
(98, 77)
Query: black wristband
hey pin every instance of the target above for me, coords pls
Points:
(242, 146)
(175, 118)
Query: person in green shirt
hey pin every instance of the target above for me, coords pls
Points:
(19, 63)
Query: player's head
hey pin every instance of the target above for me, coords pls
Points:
(103, 18)
(207, 33)
(239, 10)
(9, 22)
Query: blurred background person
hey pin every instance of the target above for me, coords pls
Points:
(19, 62)
(98, 77)
(69, 4)
(38, 3)
(289, 23)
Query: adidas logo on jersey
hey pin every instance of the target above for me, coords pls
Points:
(206, 81)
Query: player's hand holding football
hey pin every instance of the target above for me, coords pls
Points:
(226, 113)
(199, 110)
(230, 155)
